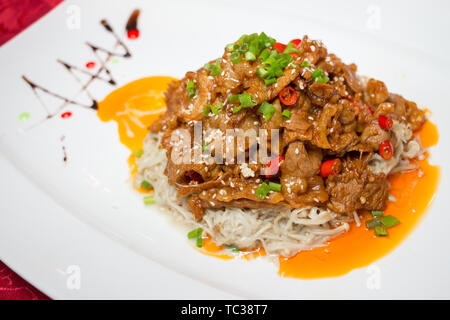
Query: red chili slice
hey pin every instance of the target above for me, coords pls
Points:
(279, 46)
(66, 115)
(330, 167)
(385, 123)
(90, 65)
(194, 175)
(296, 42)
(288, 96)
(133, 34)
(271, 168)
(386, 150)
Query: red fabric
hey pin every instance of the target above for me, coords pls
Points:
(15, 16)
(13, 287)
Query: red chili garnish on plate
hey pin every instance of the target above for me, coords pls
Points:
(288, 96)
(330, 167)
(385, 123)
(90, 65)
(194, 175)
(386, 150)
(279, 46)
(296, 42)
(271, 168)
(66, 115)
(133, 34)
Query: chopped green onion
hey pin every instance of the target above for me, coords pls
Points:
(214, 68)
(236, 109)
(139, 153)
(270, 81)
(232, 247)
(286, 114)
(236, 57)
(380, 231)
(199, 242)
(262, 191)
(290, 48)
(232, 47)
(250, 56)
(267, 110)
(370, 224)
(322, 79)
(275, 186)
(195, 233)
(305, 64)
(215, 109)
(190, 88)
(206, 110)
(149, 200)
(264, 55)
(246, 100)
(260, 72)
(389, 221)
(317, 73)
(377, 213)
(145, 184)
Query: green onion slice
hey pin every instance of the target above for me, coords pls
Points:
(190, 88)
(389, 221)
(149, 200)
(262, 191)
(147, 185)
(305, 64)
(380, 231)
(377, 213)
(139, 153)
(286, 114)
(214, 68)
(275, 186)
(267, 110)
(195, 233)
(370, 224)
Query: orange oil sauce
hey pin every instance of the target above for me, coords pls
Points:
(136, 105)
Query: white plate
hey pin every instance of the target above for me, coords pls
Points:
(60, 220)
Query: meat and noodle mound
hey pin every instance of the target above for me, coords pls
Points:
(330, 139)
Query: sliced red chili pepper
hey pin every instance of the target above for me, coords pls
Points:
(90, 65)
(385, 123)
(271, 168)
(66, 115)
(288, 96)
(133, 34)
(279, 46)
(194, 175)
(296, 42)
(386, 150)
(330, 167)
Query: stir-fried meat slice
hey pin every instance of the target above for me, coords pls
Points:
(376, 92)
(300, 162)
(334, 114)
(356, 187)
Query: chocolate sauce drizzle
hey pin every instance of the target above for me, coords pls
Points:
(96, 76)
(132, 21)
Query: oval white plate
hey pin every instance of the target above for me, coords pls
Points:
(78, 230)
